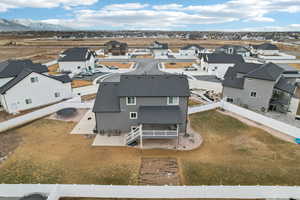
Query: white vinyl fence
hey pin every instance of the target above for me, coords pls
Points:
(54, 192)
(251, 115)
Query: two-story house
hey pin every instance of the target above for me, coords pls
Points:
(191, 50)
(116, 48)
(263, 87)
(147, 106)
(234, 49)
(26, 85)
(76, 60)
(266, 49)
(218, 63)
(159, 50)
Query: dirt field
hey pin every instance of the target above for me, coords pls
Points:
(178, 65)
(232, 153)
(125, 65)
(81, 83)
(297, 65)
(37, 54)
(193, 102)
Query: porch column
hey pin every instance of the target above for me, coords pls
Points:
(141, 135)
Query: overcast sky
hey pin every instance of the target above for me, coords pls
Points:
(199, 15)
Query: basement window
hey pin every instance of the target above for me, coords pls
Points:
(253, 94)
(28, 101)
(133, 115)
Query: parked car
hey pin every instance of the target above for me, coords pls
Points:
(112, 67)
(190, 68)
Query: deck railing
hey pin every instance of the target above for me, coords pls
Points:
(159, 133)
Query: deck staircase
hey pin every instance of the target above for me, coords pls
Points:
(133, 136)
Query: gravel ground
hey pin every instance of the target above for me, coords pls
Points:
(91, 78)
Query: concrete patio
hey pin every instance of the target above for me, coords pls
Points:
(110, 140)
(86, 125)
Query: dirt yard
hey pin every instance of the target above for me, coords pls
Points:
(232, 153)
(296, 65)
(178, 65)
(81, 83)
(124, 65)
(194, 102)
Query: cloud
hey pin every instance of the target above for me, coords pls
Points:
(8, 4)
(126, 6)
(290, 27)
(173, 6)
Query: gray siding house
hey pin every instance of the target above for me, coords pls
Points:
(262, 87)
(154, 106)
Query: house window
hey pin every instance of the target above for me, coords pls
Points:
(173, 100)
(28, 101)
(56, 94)
(130, 100)
(253, 94)
(230, 100)
(133, 115)
(78, 67)
(34, 79)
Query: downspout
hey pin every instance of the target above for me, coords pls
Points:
(5, 101)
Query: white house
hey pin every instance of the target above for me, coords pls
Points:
(76, 60)
(218, 63)
(266, 49)
(30, 88)
(159, 50)
(191, 50)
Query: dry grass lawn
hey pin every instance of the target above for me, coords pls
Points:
(296, 65)
(53, 69)
(88, 97)
(81, 83)
(232, 153)
(178, 65)
(123, 65)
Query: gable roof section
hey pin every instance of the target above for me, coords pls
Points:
(223, 58)
(107, 99)
(284, 85)
(266, 46)
(27, 72)
(154, 85)
(268, 71)
(245, 68)
(231, 80)
(12, 68)
(76, 54)
(192, 45)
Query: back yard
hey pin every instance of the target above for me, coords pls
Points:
(178, 65)
(232, 153)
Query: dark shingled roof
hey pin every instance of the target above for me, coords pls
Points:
(11, 68)
(192, 45)
(154, 85)
(245, 68)
(284, 85)
(268, 71)
(160, 115)
(76, 54)
(34, 196)
(107, 99)
(223, 58)
(25, 73)
(266, 46)
(231, 80)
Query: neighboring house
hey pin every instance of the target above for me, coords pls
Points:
(159, 49)
(263, 87)
(218, 63)
(234, 49)
(266, 49)
(77, 60)
(25, 85)
(116, 48)
(153, 105)
(191, 50)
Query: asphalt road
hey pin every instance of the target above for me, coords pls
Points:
(145, 66)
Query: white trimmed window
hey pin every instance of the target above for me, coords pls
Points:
(28, 101)
(56, 94)
(34, 79)
(133, 115)
(130, 100)
(253, 94)
(173, 100)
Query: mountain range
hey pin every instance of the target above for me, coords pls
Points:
(29, 25)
